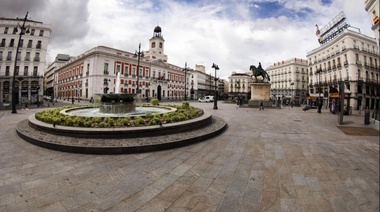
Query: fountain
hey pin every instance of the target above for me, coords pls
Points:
(119, 140)
(117, 105)
(117, 102)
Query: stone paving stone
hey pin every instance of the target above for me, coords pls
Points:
(274, 164)
(288, 205)
(270, 201)
(338, 204)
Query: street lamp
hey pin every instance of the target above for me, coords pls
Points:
(24, 29)
(186, 70)
(209, 92)
(216, 67)
(138, 54)
(319, 71)
(78, 92)
(38, 98)
(292, 95)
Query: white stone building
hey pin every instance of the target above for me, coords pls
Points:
(240, 85)
(95, 72)
(289, 80)
(351, 57)
(373, 9)
(31, 59)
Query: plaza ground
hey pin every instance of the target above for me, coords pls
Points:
(270, 160)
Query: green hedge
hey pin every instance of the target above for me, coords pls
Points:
(184, 112)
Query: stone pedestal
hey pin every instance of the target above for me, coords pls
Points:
(260, 92)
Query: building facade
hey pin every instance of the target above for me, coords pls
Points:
(289, 81)
(49, 76)
(31, 60)
(373, 9)
(95, 72)
(350, 57)
(240, 85)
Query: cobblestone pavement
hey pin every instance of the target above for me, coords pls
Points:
(271, 160)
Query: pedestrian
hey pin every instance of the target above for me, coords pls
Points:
(261, 105)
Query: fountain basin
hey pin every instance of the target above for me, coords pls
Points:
(96, 112)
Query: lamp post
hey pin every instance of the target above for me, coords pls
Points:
(185, 70)
(216, 67)
(38, 98)
(319, 71)
(292, 95)
(209, 92)
(24, 29)
(78, 92)
(138, 54)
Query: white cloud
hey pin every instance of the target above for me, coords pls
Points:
(224, 32)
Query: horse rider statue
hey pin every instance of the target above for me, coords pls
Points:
(259, 71)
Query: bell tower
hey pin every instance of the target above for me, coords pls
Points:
(156, 46)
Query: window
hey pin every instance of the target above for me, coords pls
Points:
(7, 70)
(126, 70)
(1, 55)
(41, 33)
(105, 68)
(17, 70)
(29, 44)
(35, 71)
(133, 71)
(18, 56)
(32, 32)
(21, 43)
(160, 44)
(9, 56)
(2, 43)
(37, 56)
(38, 46)
(26, 70)
(6, 30)
(12, 43)
(153, 44)
(15, 30)
(27, 56)
(117, 69)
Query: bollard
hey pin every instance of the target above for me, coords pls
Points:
(366, 117)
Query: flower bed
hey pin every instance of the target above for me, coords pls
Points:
(183, 112)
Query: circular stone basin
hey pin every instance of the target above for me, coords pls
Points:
(95, 112)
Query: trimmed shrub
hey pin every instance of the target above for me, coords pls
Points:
(154, 101)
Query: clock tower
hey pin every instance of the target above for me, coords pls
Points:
(156, 46)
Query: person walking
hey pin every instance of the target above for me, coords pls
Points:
(261, 105)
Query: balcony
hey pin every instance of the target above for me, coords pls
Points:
(36, 59)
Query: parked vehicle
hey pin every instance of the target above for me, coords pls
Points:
(209, 98)
(206, 99)
(202, 99)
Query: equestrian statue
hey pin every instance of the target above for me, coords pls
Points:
(259, 71)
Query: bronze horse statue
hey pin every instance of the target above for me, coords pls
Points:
(259, 71)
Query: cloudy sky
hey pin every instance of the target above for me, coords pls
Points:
(234, 34)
